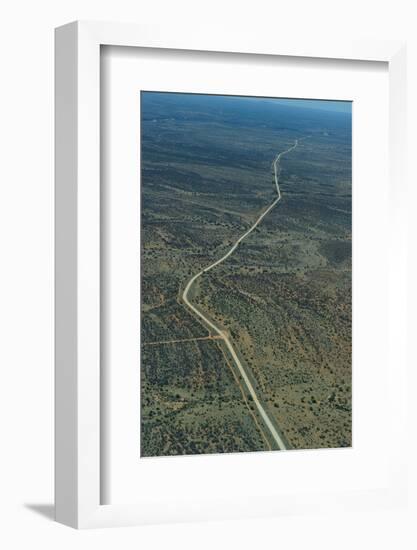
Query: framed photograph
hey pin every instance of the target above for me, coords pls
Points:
(229, 331)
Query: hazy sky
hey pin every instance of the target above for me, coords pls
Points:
(320, 104)
(339, 106)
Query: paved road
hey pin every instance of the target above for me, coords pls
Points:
(276, 436)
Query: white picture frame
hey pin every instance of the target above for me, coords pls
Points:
(78, 406)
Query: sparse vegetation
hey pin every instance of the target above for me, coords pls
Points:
(284, 296)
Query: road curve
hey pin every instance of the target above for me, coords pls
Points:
(276, 436)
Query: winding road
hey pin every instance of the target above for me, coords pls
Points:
(264, 415)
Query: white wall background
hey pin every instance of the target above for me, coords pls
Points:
(26, 269)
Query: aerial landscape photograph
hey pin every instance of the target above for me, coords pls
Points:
(246, 274)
